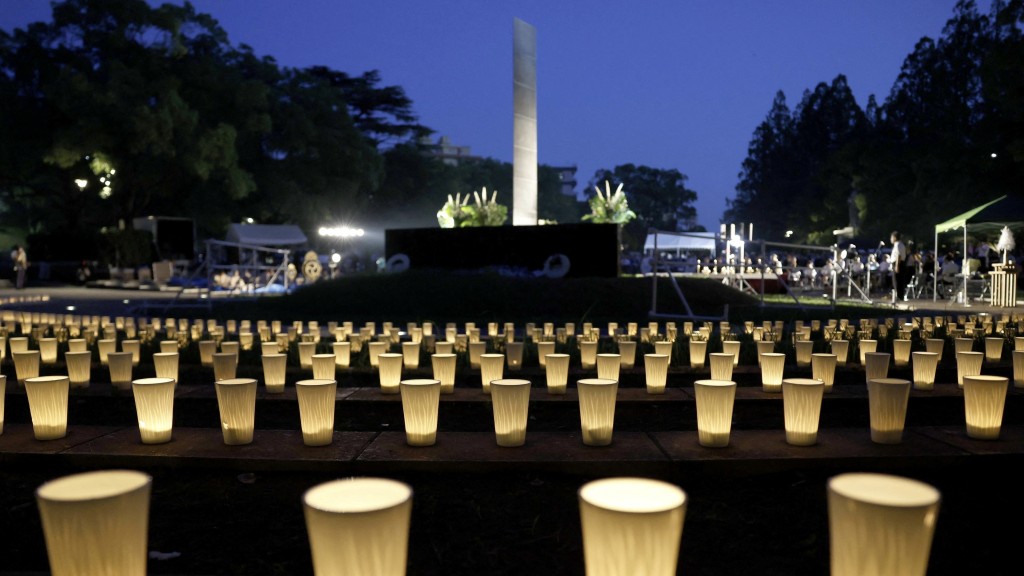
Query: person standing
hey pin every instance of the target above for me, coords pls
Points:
(20, 259)
(902, 268)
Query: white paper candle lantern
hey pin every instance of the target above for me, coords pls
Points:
(48, 406)
(306, 351)
(510, 401)
(543, 349)
(714, 400)
(390, 372)
(721, 366)
(154, 407)
(924, 365)
(246, 340)
(275, 367)
(887, 407)
(316, 410)
(656, 371)
(376, 349)
(492, 367)
(773, 365)
(84, 515)
(823, 367)
(963, 344)
(323, 366)
(444, 348)
(444, 371)
(804, 349)
(994, 349)
(283, 343)
(514, 355)
(167, 346)
(119, 364)
(608, 366)
(935, 345)
(1018, 343)
(732, 347)
(866, 347)
(3, 396)
(236, 401)
(764, 347)
(225, 365)
(698, 353)
(880, 525)
(556, 370)
(968, 364)
(588, 354)
(26, 364)
(801, 404)
(207, 348)
(135, 347)
(597, 410)
(900, 352)
(1018, 368)
(984, 401)
(359, 526)
(876, 365)
(18, 343)
(841, 349)
(420, 403)
(631, 526)
(627, 353)
(79, 365)
(48, 350)
(77, 345)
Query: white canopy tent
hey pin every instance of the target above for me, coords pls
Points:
(681, 241)
(954, 223)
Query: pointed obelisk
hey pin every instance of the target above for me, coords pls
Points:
(524, 127)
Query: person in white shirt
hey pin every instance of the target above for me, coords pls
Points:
(902, 268)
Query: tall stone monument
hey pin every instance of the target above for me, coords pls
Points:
(524, 128)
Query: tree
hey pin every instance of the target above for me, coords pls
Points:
(659, 197)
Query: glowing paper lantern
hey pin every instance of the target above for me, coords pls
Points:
(543, 349)
(732, 347)
(588, 354)
(316, 410)
(236, 401)
(492, 367)
(801, 404)
(935, 345)
(1018, 368)
(444, 371)
(804, 349)
(275, 367)
(359, 526)
(656, 371)
(866, 347)
(880, 525)
(714, 400)
(841, 348)
(77, 345)
(887, 406)
(924, 366)
(79, 365)
(631, 526)
(48, 350)
(376, 349)
(225, 365)
(390, 371)
(48, 406)
(876, 365)
(900, 352)
(207, 348)
(514, 355)
(83, 514)
(698, 351)
(26, 364)
(984, 401)
(764, 347)
(556, 370)
(994, 349)
(967, 364)
(608, 366)
(773, 364)
(721, 366)
(154, 407)
(823, 367)
(510, 400)
(597, 410)
(323, 366)
(119, 364)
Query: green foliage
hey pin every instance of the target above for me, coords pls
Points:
(947, 136)
(609, 208)
(457, 212)
(658, 197)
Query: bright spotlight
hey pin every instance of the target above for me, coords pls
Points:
(341, 232)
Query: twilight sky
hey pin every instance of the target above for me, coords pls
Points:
(666, 83)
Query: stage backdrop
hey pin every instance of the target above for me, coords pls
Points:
(590, 249)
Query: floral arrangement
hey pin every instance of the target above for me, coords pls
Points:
(457, 212)
(609, 207)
